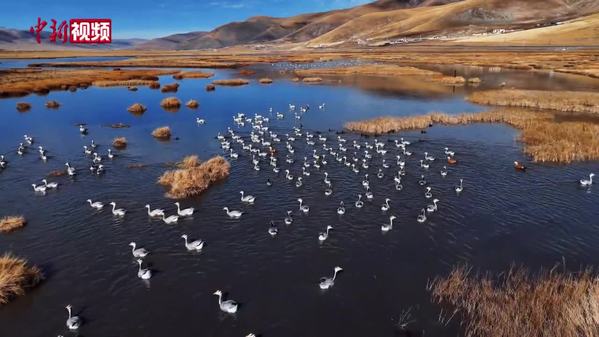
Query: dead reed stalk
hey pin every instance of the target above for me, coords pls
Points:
(193, 177)
(16, 275)
(518, 303)
(11, 223)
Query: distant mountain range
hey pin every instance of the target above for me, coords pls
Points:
(384, 22)
(15, 39)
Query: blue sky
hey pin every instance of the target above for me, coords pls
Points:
(149, 18)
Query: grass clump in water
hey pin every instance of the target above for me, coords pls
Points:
(192, 104)
(23, 106)
(518, 303)
(231, 82)
(170, 103)
(16, 275)
(119, 143)
(193, 177)
(11, 223)
(173, 87)
(265, 80)
(137, 108)
(163, 132)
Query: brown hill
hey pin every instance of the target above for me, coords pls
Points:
(264, 29)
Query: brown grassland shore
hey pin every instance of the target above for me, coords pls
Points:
(21, 82)
(574, 61)
(385, 70)
(518, 303)
(546, 136)
(569, 101)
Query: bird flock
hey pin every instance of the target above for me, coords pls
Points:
(296, 157)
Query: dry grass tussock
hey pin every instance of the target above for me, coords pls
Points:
(192, 103)
(173, 87)
(192, 74)
(136, 108)
(170, 102)
(122, 83)
(52, 104)
(568, 101)
(163, 132)
(21, 82)
(11, 223)
(23, 106)
(265, 80)
(16, 275)
(119, 143)
(517, 303)
(545, 138)
(312, 80)
(231, 82)
(192, 177)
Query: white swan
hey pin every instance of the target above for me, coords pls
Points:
(444, 172)
(589, 182)
(385, 207)
(369, 194)
(50, 185)
(228, 306)
(143, 273)
(288, 218)
(70, 170)
(433, 207)
(388, 226)
(324, 235)
(328, 282)
(117, 211)
(247, 198)
(341, 208)
(428, 193)
(39, 188)
(302, 207)
(158, 212)
(422, 217)
(460, 188)
(170, 220)
(273, 230)
(184, 212)
(424, 165)
(359, 203)
(73, 322)
(196, 245)
(96, 205)
(110, 154)
(138, 252)
(233, 214)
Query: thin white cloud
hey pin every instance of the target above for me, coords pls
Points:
(227, 4)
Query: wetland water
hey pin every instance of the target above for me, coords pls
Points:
(535, 219)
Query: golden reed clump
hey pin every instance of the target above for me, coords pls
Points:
(136, 109)
(520, 304)
(173, 87)
(16, 275)
(11, 223)
(192, 104)
(231, 82)
(545, 137)
(170, 103)
(119, 143)
(123, 83)
(192, 74)
(567, 101)
(163, 132)
(265, 80)
(193, 177)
